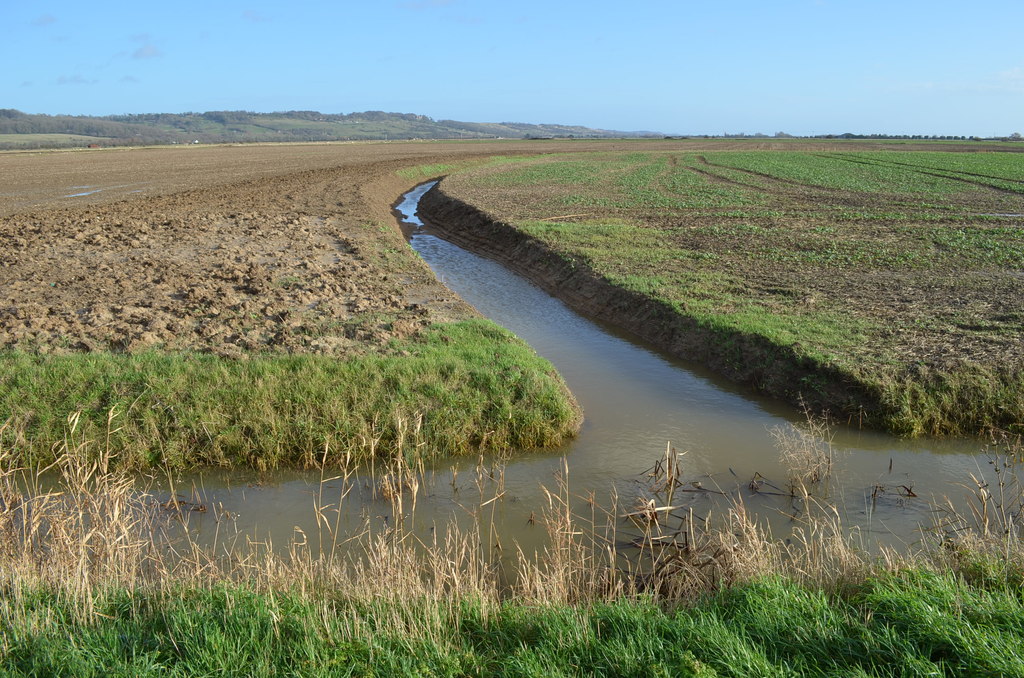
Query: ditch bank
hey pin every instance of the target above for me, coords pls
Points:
(747, 359)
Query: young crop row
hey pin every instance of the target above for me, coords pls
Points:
(999, 170)
(929, 185)
(904, 247)
(633, 181)
(1008, 166)
(839, 172)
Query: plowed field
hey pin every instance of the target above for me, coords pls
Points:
(194, 304)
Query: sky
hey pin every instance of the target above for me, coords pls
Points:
(677, 67)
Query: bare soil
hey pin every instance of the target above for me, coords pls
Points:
(224, 249)
(228, 250)
(231, 249)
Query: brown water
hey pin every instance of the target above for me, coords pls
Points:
(636, 402)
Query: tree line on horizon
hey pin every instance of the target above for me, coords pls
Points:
(24, 130)
(247, 126)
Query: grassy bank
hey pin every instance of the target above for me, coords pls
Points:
(911, 623)
(458, 388)
(882, 286)
(93, 583)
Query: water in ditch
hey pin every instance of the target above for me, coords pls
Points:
(637, 402)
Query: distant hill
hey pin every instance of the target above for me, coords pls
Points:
(23, 130)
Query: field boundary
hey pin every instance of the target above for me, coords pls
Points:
(744, 358)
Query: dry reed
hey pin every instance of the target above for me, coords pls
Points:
(78, 527)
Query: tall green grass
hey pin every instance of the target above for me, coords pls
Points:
(458, 388)
(911, 623)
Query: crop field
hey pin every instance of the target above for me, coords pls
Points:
(257, 307)
(890, 279)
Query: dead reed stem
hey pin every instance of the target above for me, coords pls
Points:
(78, 527)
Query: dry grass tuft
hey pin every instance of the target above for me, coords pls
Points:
(806, 450)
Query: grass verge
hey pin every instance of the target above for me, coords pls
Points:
(911, 623)
(94, 580)
(458, 388)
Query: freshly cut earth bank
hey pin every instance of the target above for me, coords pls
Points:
(748, 359)
(251, 305)
(883, 288)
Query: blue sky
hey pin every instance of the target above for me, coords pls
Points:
(799, 66)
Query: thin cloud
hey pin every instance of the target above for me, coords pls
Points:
(147, 51)
(75, 79)
(431, 5)
(45, 20)
(130, 78)
(1004, 82)
(26, 83)
(1013, 78)
(254, 16)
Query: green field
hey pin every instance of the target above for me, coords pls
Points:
(883, 286)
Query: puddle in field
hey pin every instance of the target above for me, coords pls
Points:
(83, 193)
(636, 401)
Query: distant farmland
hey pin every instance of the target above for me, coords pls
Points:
(50, 140)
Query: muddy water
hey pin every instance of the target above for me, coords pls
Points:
(636, 402)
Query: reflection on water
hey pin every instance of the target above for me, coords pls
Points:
(636, 402)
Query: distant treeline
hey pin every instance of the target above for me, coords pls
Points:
(24, 130)
(247, 126)
(16, 122)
